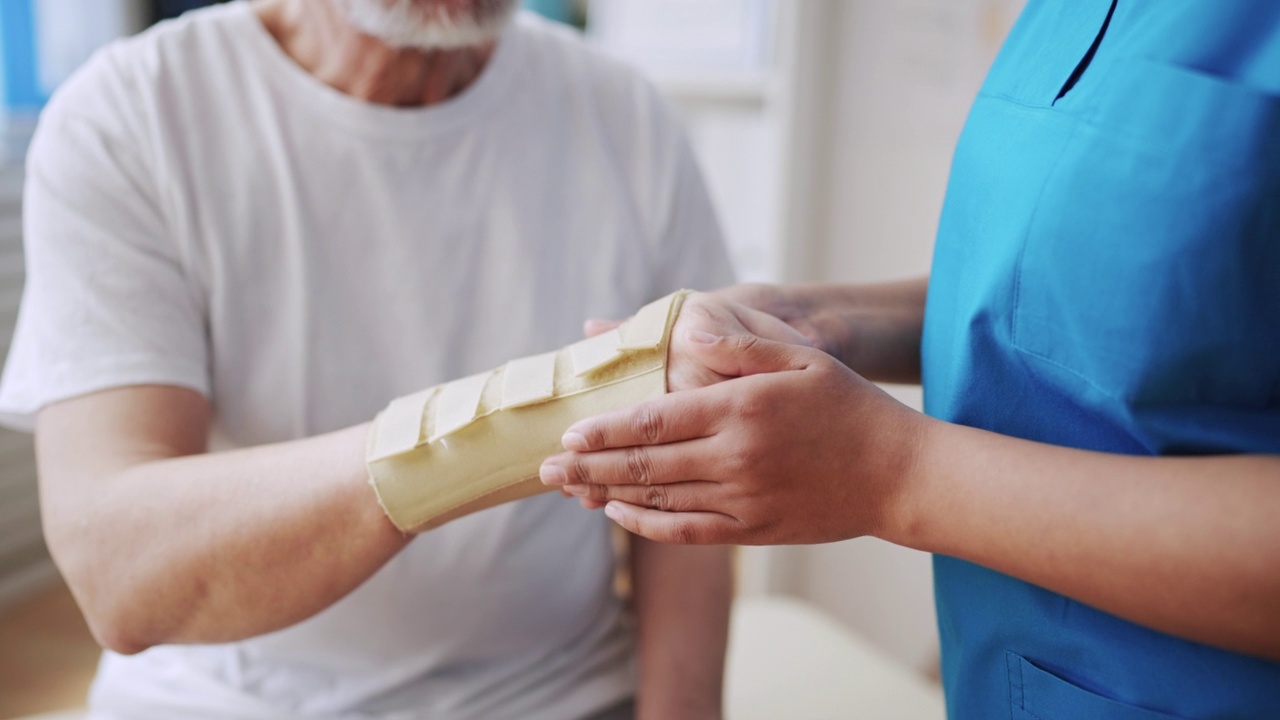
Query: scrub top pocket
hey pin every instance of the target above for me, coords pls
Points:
(1037, 694)
(1151, 267)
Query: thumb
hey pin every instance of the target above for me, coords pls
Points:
(740, 355)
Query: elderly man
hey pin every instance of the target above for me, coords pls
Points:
(256, 225)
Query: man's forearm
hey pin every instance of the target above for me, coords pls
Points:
(1189, 546)
(209, 547)
(682, 597)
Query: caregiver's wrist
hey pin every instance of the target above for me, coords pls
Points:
(911, 512)
(816, 310)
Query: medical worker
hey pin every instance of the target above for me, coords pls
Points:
(1098, 471)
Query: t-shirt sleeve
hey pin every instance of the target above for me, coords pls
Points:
(691, 251)
(107, 301)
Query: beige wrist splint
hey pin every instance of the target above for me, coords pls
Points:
(473, 443)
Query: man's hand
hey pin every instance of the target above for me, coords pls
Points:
(798, 449)
(706, 316)
(790, 304)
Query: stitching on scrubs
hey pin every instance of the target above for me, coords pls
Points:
(1017, 281)
(1014, 661)
(1026, 236)
(1005, 97)
(1009, 663)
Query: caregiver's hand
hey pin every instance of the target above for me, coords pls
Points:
(800, 450)
(709, 315)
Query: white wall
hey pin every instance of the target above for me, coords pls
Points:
(899, 81)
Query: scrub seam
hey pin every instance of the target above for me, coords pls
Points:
(1004, 97)
(1022, 251)
(1026, 236)
(1008, 666)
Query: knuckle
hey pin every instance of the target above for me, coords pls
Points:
(579, 471)
(639, 467)
(697, 305)
(595, 436)
(648, 425)
(747, 343)
(684, 533)
(741, 459)
(656, 497)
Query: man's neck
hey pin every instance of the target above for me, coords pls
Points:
(325, 44)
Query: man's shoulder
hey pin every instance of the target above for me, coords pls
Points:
(567, 72)
(128, 70)
(566, 56)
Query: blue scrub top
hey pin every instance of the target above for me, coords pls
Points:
(1107, 276)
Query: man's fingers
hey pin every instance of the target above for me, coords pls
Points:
(635, 465)
(595, 326)
(696, 495)
(684, 528)
(670, 418)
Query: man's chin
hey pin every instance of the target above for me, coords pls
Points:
(430, 24)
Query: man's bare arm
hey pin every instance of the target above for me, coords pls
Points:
(162, 543)
(682, 599)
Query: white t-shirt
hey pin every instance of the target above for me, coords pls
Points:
(201, 212)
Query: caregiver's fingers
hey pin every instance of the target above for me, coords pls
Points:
(686, 415)
(739, 355)
(684, 528)
(696, 495)
(635, 465)
(584, 502)
(770, 327)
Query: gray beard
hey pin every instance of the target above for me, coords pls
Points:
(426, 25)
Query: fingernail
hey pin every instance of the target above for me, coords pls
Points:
(613, 512)
(577, 490)
(574, 441)
(552, 475)
(705, 338)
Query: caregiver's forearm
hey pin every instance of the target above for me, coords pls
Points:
(1188, 546)
(875, 329)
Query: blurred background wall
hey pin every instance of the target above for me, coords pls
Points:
(825, 128)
